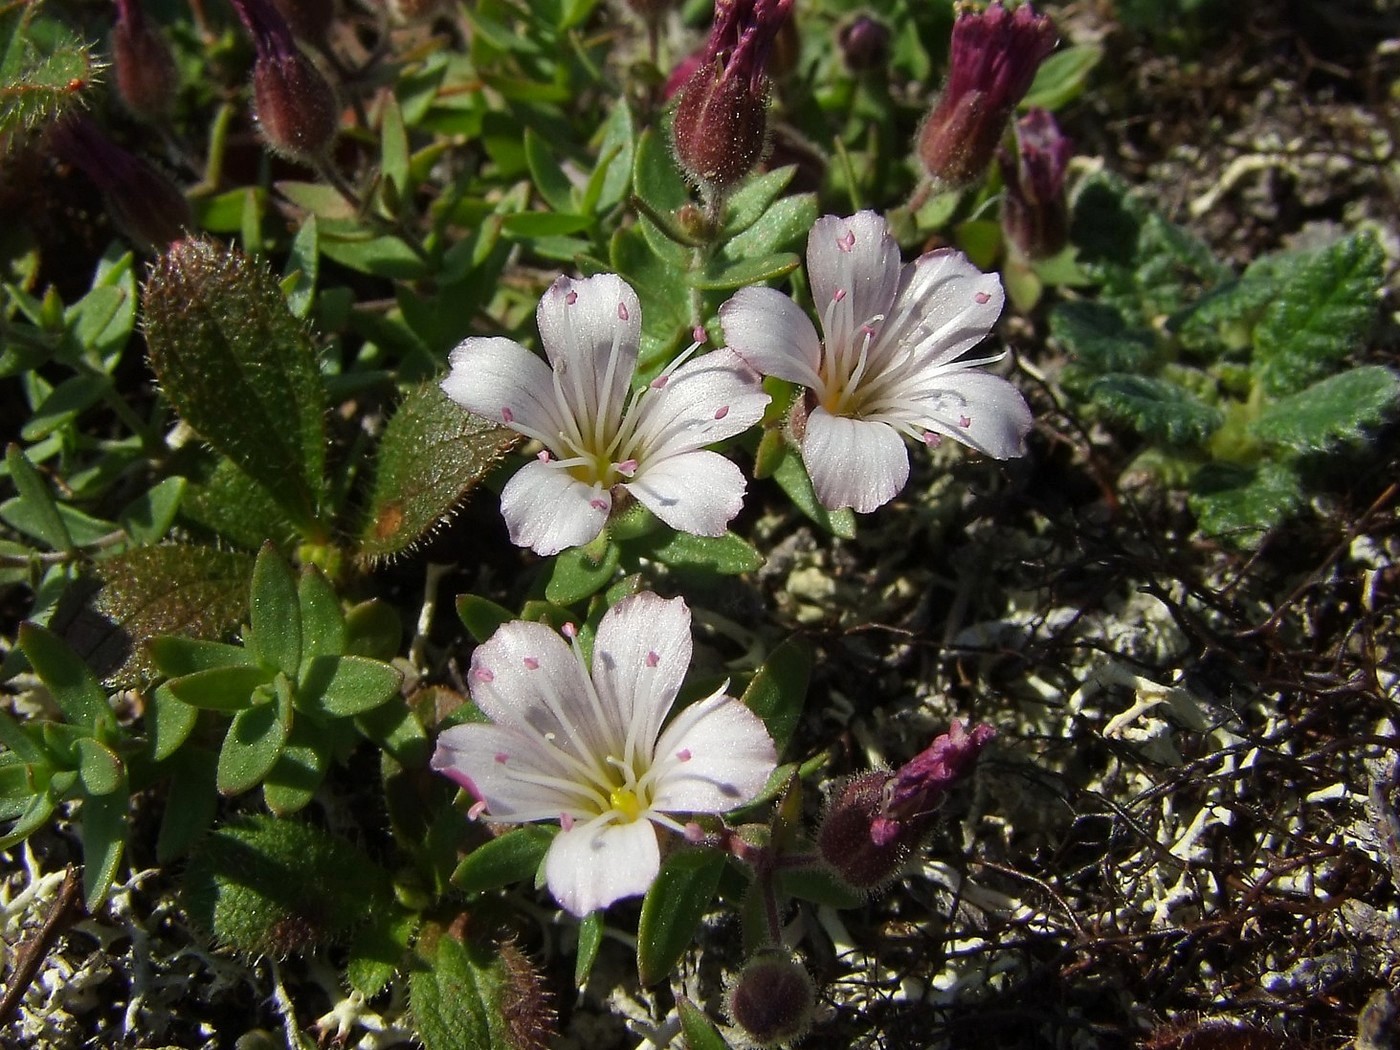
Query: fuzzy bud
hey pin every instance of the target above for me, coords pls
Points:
(874, 821)
(145, 69)
(144, 204)
(865, 44)
(992, 61)
(1034, 212)
(772, 999)
(721, 122)
(296, 108)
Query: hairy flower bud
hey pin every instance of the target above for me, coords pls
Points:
(874, 821)
(720, 128)
(772, 999)
(992, 61)
(143, 203)
(296, 108)
(865, 44)
(1034, 213)
(145, 69)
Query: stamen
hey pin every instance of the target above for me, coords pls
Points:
(931, 439)
(982, 298)
(838, 295)
(502, 757)
(566, 821)
(478, 808)
(483, 674)
(507, 416)
(722, 411)
(569, 631)
(598, 504)
(684, 754)
(570, 297)
(653, 658)
(626, 468)
(964, 421)
(659, 382)
(531, 663)
(622, 314)
(698, 334)
(543, 455)
(847, 241)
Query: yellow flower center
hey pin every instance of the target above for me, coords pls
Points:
(627, 803)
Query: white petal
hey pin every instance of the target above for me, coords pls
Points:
(771, 333)
(640, 657)
(994, 419)
(857, 463)
(695, 492)
(527, 678)
(728, 758)
(946, 306)
(591, 329)
(853, 266)
(707, 399)
(503, 768)
(590, 867)
(498, 379)
(546, 509)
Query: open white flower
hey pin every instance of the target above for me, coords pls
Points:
(598, 433)
(891, 363)
(584, 745)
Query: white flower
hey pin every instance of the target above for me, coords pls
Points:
(598, 433)
(891, 360)
(584, 746)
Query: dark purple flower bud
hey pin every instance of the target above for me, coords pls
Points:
(875, 820)
(1034, 212)
(772, 999)
(992, 61)
(721, 121)
(145, 69)
(296, 109)
(143, 203)
(865, 44)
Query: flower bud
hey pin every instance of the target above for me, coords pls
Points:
(772, 999)
(296, 109)
(1034, 212)
(143, 203)
(720, 127)
(145, 69)
(874, 820)
(865, 44)
(992, 61)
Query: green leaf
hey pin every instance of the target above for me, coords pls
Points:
(613, 176)
(1099, 339)
(274, 632)
(229, 503)
(396, 729)
(344, 686)
(149, 516)
(582, 571)
(36, 814)
(727, 555)
(726, 278)
(104, 827)
(303, 265)
(590, 939)
(226, 689)
(251, 748)
(169, 722)
(175, 656)
(481, 616)
(292, 782)
(655, 177)
(190, 804)
(72, 397)
(821, 886)
(384, 256)
(44, 68)
(1062, 77)
(323, 628)
(672, 909)
(1330, 412)
(751, 200)
(549, 178)
(220, 334)
(778, 692)
(784, 226)
(1325, 307)
(1157, 408)
(75, 689)
(791, 476)
(99, 769)
(505, 860)
(699, 1032)
(373, 629)
(1241, 503)
(379, 948)
(393, 147)
(454, 999)
(433, 453)
(46, 524)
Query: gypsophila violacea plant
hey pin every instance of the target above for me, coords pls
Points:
(890, 362)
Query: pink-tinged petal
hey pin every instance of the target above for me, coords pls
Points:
(640, 657)
(857, 463)
(591, 329)
(986, 412)
(719, 756)
(589, 867)
(945, 307)
(695, 492)
(498, 379)
(772, 334)
(708, 399)
(547, 509)
(505, 769)
(853, 266)
(527, 678)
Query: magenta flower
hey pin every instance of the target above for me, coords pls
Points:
(891, 362)
(582, 743)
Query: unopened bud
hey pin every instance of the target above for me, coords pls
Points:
(143, 203)
(1034, 212)
(874, 820)
(772, 999)
(992, 61)
(145, 69)
(865, 44)
(296, 108)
